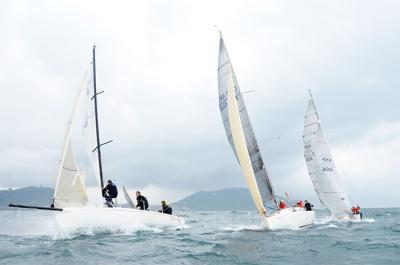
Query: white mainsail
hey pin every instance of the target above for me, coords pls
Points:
(70, 186)
(89, 128)
(321, 166)
(240, 134)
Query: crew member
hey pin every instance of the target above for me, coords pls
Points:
(282, 204)
(308, 206)
(358, 211)
(142, 202)
(165, 208)
(110, 192)
(300, 204)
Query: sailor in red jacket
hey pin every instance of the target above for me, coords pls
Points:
(282, 205)
(357, 210)
(300, 204)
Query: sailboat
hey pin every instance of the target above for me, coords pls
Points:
(71, 206)
(244, 145)
(321, 167)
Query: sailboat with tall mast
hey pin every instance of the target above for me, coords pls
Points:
(71, 204)
(321, 167)
(244, 145)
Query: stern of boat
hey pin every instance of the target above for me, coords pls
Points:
(289, 218)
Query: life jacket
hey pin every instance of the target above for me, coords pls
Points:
(300, 204)
(282, 205)
(354, 210)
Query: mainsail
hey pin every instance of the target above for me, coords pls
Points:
(70, 186)
(321, 166)
(89, 128)
(240, 134)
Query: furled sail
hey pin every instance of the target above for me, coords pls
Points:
(70, 186)
(240, 134)
(321, 166)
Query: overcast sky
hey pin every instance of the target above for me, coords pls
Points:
(157, 62)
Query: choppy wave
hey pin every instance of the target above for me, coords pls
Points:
(243, 227)
(29, 237)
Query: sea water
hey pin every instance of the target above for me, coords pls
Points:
(227, 237)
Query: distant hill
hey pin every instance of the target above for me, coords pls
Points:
(38, 196)
(219, 200)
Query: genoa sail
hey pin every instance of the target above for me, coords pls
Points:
(241, 136)
(321, 167)
(70, 186)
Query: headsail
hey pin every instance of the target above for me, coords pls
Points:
(321, 166)
(128, 198)
(240, 134)
(70, 186)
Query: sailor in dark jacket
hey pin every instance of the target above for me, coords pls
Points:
(165, 208)
(308, 206)
(110, 192)
(142, 202)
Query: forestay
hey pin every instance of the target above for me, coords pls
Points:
(321, 167)
(241, 137)
(70, 186)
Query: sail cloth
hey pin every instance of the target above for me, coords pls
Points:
(70, 186)
(321, 166)
(89, 128)
(128, 198)
(256, 176)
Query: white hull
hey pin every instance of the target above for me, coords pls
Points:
(289, 218)
(86, 217)
(350, 217)
(356, 217)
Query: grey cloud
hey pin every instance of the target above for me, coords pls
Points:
(157, 63)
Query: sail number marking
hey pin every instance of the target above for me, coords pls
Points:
(222, 102)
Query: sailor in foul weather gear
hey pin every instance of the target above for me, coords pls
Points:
(165, 208)
(357, 210)
(282, 205)
(308, 206)
(142, 202)
(299, 204)
(110, 192)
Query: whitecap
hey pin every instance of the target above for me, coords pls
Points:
(236, 228)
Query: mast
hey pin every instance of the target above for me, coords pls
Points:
(96, 117)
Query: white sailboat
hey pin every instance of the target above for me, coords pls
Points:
(321, 167)
(243, 142)
(71, 206)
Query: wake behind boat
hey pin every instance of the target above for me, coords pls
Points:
(71, 206)
(244, 145)
(322, 169)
